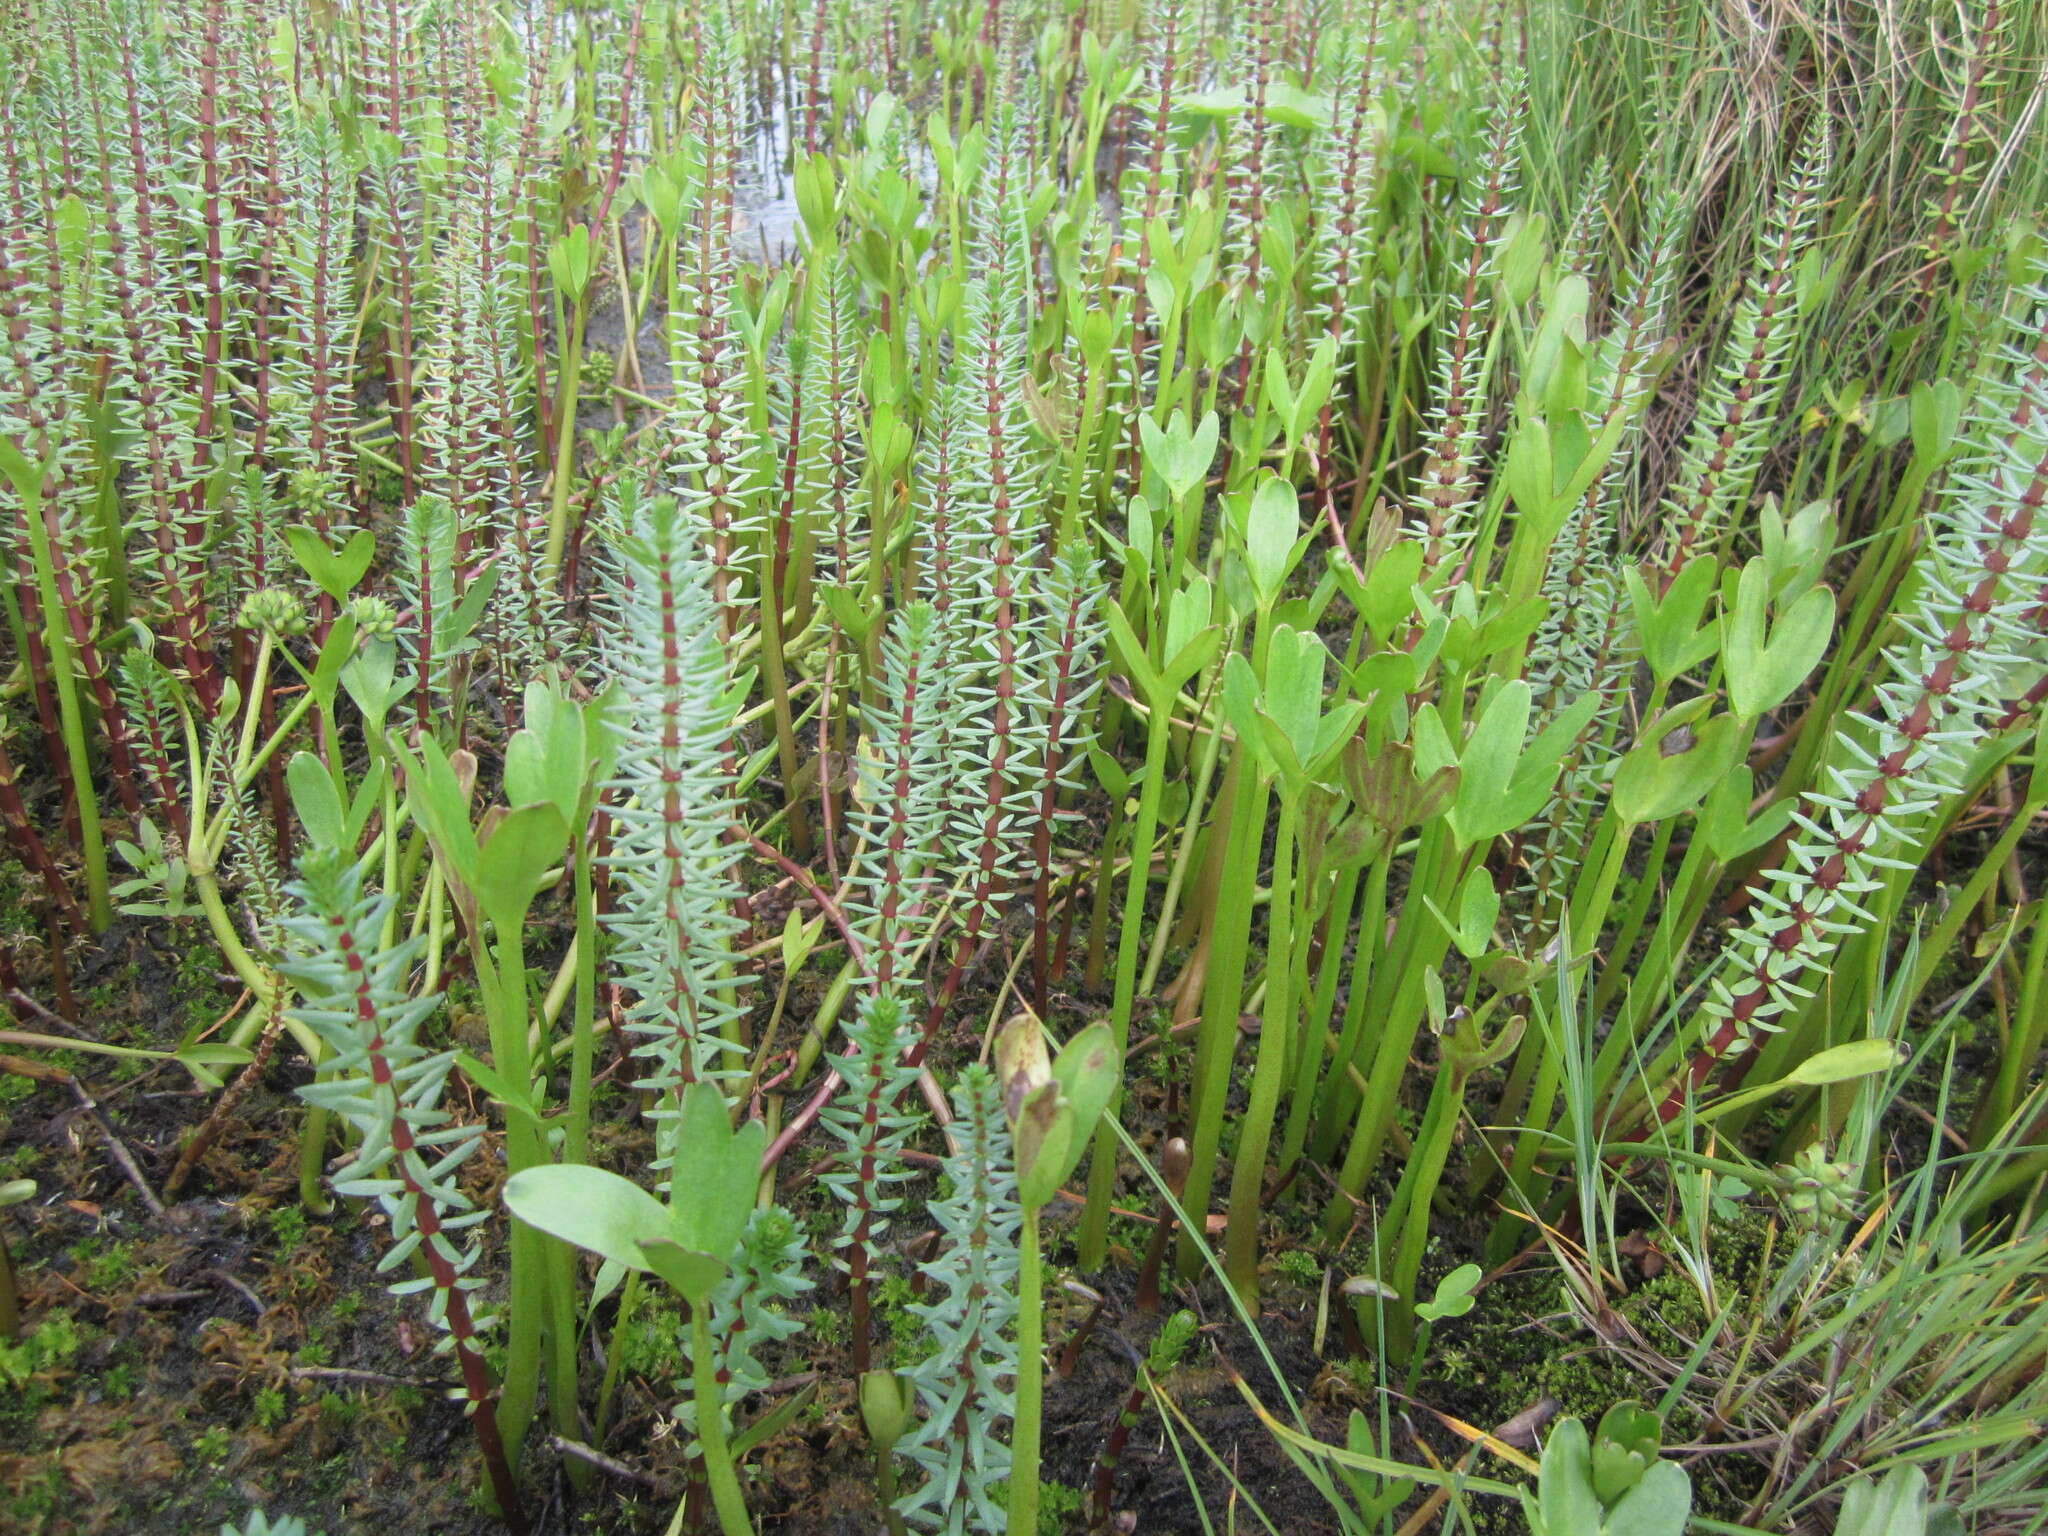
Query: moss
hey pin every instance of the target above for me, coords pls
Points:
(1059, 1508)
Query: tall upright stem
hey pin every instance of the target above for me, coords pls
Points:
(1030, 1379)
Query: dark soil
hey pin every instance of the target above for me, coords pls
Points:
(236, 1349)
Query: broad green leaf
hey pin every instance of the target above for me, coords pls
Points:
(1659, 1505)
(1087, 1070)
(1673, 640)
(1043, 1134)
(1388, 603)
(1531, 468)
(1109, 773)
(1192, 637)
(1129, 652)
(1564, 1487)
(1674, 766)
(774, 1421)
(1271, 528)
(1241, 698)
(1487, 763)
(334, 572)
(1292, 697)
(1724, 819)
(591, 1207)
(546, 762)
(569, 262)
(723, 1171)
(1937, 413)
(371, 678)
(1625, 1447)
(1837, 1064)
(516, 1098)
(440, 805)
(315, 799)
(1844, 1063)
(690, 1272)
(1763, 671)
(335, 654)
(1478, 909)
(523, 845)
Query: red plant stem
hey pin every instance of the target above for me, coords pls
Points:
(398, 351)
(1350, 198)
(526, 190)
(828, 821)
(1142, 340)
(815, 89)
(1447, 475)
(1776, 304)
(871, 1112)
(36, 662)
(1103, 1479)
(831, 908)
(1059, 714)
(897, 849)
(1963, 135)
(215, 331)
(146, 308)
(35, 854)
(434, 1245)
(1964, 637)
(618, 165)
(1248, 190)
(326, 378)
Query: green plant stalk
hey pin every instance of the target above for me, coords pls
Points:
(1024, 1441)
(1077, 472)
(1223, 989)
(206, 840)
(1508, 1113)
(1945, 934)
(1420, 946)
(1535, 1118)
(1594, 892)
(1277, 1024)
(583, 1040)
(1098, 907)
(885, 1491)
(1191, 830)
(1413, 1199)
(1093, 1239)
(91, 839)
(2023, 1046)
(1334, 1098)
(775, 676)
(531, 1305)
(1617, 973)
(726, 1497)
(629, 1299)
(1644, 987)
(1313, 1043)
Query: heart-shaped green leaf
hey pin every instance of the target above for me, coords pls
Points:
(1487, 763)
(1763, 670)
